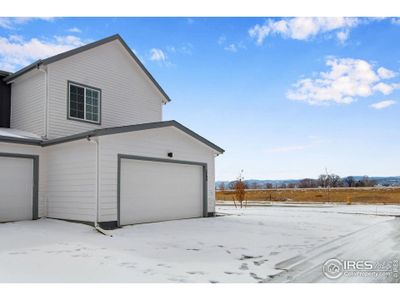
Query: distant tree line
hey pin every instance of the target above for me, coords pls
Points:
(323, 181)
(333, 180)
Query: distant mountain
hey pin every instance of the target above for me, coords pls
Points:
(385, 181)
(380, 181)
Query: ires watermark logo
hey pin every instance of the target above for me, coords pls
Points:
(334, 268)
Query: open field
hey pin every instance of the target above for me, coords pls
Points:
(347, 195)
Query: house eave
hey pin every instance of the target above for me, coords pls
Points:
(113, 130)
(15, 140)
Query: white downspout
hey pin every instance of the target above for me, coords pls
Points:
(46, 100)
(97, 190)
(96, 141)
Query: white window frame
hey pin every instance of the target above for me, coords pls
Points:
(85, 87)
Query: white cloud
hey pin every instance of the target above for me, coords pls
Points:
(395, 21)
(221, 40)
(259, 32)
(384, 88)
(157, 55)
(303, 28)
(185, 48)
(69, 40)
(342, 36)
(13, 23)
(228, 46)
(16, 52)
(383, 104)
(231, 48)
(385, 73)
(346, 80)
(74, 30)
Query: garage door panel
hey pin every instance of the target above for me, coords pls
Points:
(16, 189)
(158, 191)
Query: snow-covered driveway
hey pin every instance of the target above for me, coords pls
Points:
(247, 245)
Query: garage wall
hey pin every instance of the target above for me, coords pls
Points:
(32, 150)
(150, 143)
(72, 181)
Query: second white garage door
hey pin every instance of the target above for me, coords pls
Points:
(16, 188)
(152, 191)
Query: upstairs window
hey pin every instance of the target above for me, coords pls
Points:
(84, 103)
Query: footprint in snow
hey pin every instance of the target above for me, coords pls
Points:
(59, 251)
(259, 262)
(81, 255)
(232, 273)
(245, 257)
(177, 280)
(148, 271)
(244, 267)
(193, 249)
(259, 279)
(128, 265)
(213, 281)
(17, 253)
(195, 273)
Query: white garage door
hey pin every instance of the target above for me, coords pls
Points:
(16, 188)
(158, 191)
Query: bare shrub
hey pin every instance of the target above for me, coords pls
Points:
(221, 186)
(239, 187)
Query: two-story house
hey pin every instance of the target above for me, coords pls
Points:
(82, 138)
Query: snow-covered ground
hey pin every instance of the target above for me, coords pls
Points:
(254, 244)
(370, 209)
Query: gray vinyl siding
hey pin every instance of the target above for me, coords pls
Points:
(128, 95)
(71, 188)
(150, 143)
(32, 150)
(28, 102)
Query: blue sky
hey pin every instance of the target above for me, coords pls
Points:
(286, 97)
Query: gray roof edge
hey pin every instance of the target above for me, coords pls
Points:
(137, 60)
(80, 49)
(5, 73)
(22, 71)
(69, 53)
(15, 140)
(131, 128)
(197, 136)
(105, 131)
(112, 130)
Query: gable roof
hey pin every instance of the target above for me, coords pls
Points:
(84, 48)
(111, 130)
